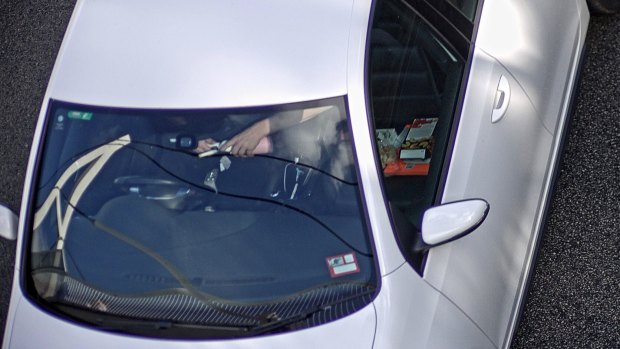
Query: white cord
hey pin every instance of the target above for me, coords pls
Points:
(294, 191)
(285, 168)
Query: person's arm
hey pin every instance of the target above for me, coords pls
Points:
(245, 143)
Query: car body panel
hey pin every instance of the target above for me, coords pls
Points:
(54, 333)
(485, 273)
(537, 42)
(554, 162)
(426, 320)
(471, 286)
(480, 272)
(156, 54)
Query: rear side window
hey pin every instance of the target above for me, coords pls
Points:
(414, 78)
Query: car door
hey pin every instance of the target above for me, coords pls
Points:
(505, 151)
(505, 163)
(490, 141)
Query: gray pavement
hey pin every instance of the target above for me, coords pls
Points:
(574, 301)
(30, 36)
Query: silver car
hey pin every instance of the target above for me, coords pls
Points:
(293, 174)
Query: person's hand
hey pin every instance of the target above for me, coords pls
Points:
(244, 143)
(205, 145)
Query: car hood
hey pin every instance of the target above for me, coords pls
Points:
(202, 54)
(34, 328)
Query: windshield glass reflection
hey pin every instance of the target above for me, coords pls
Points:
(226, 207)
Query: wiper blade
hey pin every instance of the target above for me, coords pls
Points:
(171, 328)
(103, 312)
(157, 328)
(271, 322)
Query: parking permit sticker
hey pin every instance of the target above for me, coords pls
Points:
(80, 115)
(343, 264)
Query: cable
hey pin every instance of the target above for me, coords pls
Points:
(176, 274)
(245, 197)
(46, 182)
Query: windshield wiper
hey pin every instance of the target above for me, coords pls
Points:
(158, 328)
(169, 328)
(96, 314)
(272, 322)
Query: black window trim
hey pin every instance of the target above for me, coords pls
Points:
(448, 22)
(454, 15)
(458, 108)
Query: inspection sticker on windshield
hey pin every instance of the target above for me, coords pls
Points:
(343, 264)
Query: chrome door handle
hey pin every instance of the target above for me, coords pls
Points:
(502, 99)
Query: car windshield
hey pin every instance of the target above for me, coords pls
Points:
(246, 219)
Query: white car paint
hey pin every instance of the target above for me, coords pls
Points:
(471, 287)
(449, 221)
(485, 273)
(157, 54)
(54, 333)
(412, 314)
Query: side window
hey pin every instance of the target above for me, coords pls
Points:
(467, 7)
(414, 83)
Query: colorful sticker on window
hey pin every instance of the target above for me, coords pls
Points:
(80, 115)
(343, 264)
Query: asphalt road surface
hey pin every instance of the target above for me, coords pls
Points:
(574, 300)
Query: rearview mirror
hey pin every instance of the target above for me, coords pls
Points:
(8, 223)
(448, 222)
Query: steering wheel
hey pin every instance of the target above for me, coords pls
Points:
(154, 188)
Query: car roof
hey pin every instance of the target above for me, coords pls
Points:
(202, 54)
